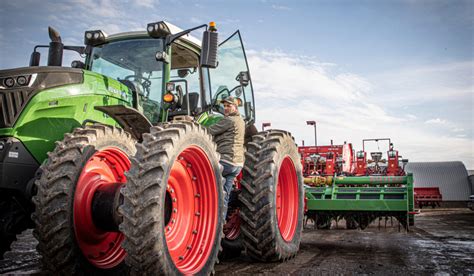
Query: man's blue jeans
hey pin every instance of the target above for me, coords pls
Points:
(229, 173)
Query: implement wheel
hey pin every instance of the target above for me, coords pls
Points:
(232, 242)
(70, 241)
(272, 197)
(173, 209)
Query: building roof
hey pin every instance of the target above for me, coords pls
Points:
(450, 177)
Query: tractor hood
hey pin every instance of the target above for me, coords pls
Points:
(19, 85)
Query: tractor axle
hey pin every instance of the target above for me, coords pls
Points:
(105, 203)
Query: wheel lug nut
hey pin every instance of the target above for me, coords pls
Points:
(197, 195)
(168, 228)
(194, 178)
(175, 210)
(174, 199)
(195, 232)
(197, 214)
(181, 257)
(180, 158)
(173, 221)
(171, 190)
(189, 165)
(188, 247)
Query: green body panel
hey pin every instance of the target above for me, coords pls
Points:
(207, 119)
(166, 78)
(357, 205)
(386, 193)
(53, 112)
(370, 180)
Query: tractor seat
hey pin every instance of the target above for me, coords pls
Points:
(193, 102)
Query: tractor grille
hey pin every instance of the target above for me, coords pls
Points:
(19, 85)
(12, 103)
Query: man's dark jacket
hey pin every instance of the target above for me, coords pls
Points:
(229, 136)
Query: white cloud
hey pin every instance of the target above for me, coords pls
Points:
(146, 3)
(437, 121)
(280, 8)
(229, 21)
(195, 20)
(435, 82)
(457, 129)
(290, 90)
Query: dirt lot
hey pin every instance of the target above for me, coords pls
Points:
(441, 242)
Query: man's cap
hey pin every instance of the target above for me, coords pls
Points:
(231, 100)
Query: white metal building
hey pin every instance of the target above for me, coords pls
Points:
(451, 178)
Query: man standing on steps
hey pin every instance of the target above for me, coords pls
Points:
(229, 136)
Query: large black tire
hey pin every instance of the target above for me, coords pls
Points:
(262, 237)
(54, 214)
(147, 220)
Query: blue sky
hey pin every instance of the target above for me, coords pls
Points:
(361, 69)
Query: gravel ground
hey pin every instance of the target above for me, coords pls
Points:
(441, 242)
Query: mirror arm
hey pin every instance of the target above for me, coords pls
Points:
(171, 38)
(40, 46)
(79, 49)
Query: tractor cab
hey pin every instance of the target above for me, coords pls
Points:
(166, 73)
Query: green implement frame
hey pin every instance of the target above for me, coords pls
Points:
(375, 195)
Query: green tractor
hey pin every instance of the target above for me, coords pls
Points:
(123, 174)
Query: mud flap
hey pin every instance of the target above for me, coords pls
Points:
(130, 119)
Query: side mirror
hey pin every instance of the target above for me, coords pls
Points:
(78, 64)
(162, 56)
(243, 78)
(35, 59)
(209, 49)
(182, 73)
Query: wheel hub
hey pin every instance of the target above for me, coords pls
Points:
(287, 199)
(191, 210)
(232, 226)
(95, 199)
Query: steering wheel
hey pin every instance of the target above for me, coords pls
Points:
(144, 82)
(214, 104)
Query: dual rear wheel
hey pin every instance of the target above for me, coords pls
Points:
(105, 205)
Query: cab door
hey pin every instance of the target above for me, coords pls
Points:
(232, 77)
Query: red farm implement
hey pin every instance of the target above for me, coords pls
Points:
(340, 185)
(427, 196)
(327, 160)
(376, 165)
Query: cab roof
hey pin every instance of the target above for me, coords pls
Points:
(189, 39)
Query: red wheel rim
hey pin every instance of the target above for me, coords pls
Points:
(106, 167)
(191, 228)
(287, 199)
(232, 226)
